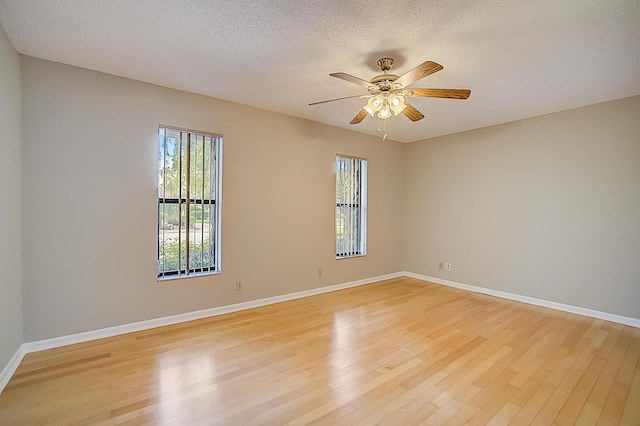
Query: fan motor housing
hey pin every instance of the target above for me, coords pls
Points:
(384, 82)
(383, 78)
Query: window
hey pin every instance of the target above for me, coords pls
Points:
(189, 190)
(351, 207)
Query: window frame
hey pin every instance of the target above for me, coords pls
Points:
(356, 221)
(213, 200)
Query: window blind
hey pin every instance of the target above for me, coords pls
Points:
(351, 206)
(189, 195)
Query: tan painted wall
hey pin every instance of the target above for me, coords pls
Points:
(547, 207)
(89, 169)
(10, 204)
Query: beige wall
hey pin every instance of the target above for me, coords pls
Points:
(89, 191)
(10, 204)
(547, 207)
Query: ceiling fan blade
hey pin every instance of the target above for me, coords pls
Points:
(418, 72)
(412, 113)
(359, 117)
(351, 79)
(338, 99)
(442, 93)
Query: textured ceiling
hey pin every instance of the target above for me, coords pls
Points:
(520, 58)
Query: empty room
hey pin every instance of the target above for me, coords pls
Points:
(319, 212)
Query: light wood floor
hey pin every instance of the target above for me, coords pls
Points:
(398, 352)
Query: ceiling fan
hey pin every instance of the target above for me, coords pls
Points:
(387, 92)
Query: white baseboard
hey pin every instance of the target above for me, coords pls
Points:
(11, 367)
(633, 322)
(56, 342)
(87, 336)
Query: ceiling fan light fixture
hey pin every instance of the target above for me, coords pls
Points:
(385, 105)
(386, 92)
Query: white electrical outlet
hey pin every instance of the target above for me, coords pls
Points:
(238, 285)
(319, 273)
(448, 266)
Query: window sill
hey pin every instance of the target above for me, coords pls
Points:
(184, 276)
(350, 256)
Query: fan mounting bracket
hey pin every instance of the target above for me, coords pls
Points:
(385, 64)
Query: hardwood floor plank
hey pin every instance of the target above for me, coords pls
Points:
(532, 397)
(575, 403)
(400, 351)
(631, 412)
(505, 415)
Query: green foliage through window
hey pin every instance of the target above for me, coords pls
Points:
(351, 206)
(189, 183)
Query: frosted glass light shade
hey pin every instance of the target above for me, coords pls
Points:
(396, 103)
(385, 111)
(373, 106)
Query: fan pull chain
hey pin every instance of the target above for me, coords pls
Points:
(384, 128)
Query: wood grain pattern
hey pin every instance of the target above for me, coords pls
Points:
(442, 93)
(412, 113)
(400, 351)
(359, 117)
(351, 79)
(421, 71)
